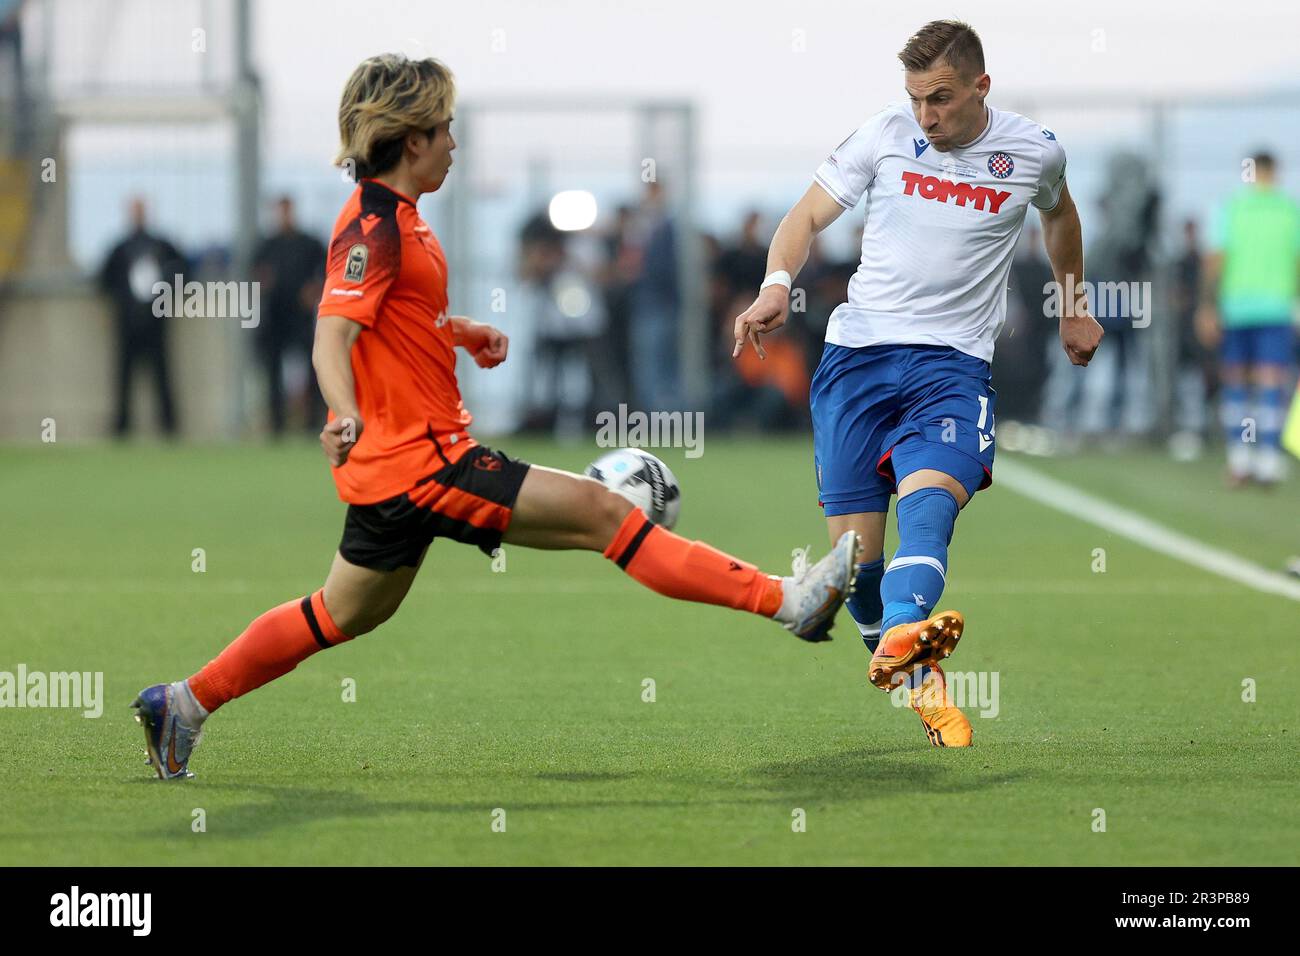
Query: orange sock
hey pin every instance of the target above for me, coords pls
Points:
(690, 570)
(273, 645)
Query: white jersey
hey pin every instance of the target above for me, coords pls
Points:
(940, 228)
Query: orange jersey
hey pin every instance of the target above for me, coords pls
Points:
(387, 271)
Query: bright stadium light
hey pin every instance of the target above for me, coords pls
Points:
(572, 209)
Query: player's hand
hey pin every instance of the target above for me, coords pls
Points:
(1209, 332)
(767, 314)
(488, 345)
(339, 437)
(1080, 336)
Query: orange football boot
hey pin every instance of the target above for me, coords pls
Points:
(905, 646)
(944, 723)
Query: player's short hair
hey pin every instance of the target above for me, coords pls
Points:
(1264, 160)
(387, 97)
(944, 41)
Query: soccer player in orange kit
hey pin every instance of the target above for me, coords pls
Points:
(398, 444)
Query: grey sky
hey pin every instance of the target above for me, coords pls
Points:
(768, 111)
(735, 59)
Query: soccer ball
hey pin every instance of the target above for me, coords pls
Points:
(642, 479)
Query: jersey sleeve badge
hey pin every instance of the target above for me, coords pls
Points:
(358, 256)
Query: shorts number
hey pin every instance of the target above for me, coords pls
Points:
(984, 414)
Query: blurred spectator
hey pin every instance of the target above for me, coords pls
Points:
(655, 305)
(617, 276)
(1117, 390)
(1248, 296)
(1114, 393)
(767, 394)
(1194, 372)
(743, 265)
(290, 266)
(133, 266)
(1022, 350)
(826, 283)
(568, 317)
(13, 79)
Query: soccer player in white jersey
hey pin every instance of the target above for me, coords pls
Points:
(901, 401)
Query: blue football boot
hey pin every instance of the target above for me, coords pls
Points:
(169, 738)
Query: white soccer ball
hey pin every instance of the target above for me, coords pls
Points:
(642, 479)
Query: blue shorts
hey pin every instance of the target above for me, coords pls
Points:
(882, 412)
(1258, 345)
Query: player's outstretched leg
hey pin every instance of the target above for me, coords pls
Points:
(556, 509)
(914, 639)
(359, 600)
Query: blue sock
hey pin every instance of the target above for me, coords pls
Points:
(864, 604)
(1271, 411)
(1232, 412)
(914, 579)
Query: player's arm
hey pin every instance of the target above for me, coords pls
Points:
(1208, 331)
(488, 345)
(1063, 237)
(331, 356)
(787, 253)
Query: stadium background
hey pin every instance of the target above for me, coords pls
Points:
(210, 110)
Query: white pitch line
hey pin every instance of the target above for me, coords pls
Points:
(1024, 480)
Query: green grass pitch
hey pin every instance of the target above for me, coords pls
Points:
(523, 690)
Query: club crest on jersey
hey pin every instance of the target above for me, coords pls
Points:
(1001, 165)
(358, 256)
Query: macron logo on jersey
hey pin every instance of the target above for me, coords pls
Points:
(942, 190)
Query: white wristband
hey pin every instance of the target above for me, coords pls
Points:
(779, 277)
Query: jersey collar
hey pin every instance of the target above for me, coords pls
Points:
(399, 195)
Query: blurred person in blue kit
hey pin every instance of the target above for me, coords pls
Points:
(134, 265)
(1248, 301)
(290, 265)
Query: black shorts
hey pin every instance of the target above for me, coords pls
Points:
(470, 501)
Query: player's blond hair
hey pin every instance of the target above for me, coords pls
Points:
(944, 41)
(387, 97)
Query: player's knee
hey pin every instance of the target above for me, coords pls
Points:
(928, 479)
(358, 624)
(355, 620)
(606, 511)
(1268, 376)
(366, 620)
